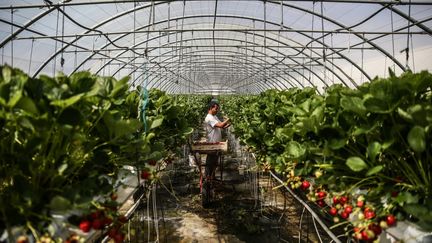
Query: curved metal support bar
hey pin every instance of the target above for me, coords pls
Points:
(167, 59)
(233, 16)
(317, 218)
(273, 2)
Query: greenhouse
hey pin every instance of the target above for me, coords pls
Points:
(216, 121)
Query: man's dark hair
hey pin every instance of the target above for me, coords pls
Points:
(213, 104)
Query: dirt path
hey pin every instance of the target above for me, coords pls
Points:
(241, 211)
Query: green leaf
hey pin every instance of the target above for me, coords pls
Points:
(374, 170)
(59, 203)
(187, 131)
(7, 73)
(405, 115)
(356, 164)
(416, 139)
(336, 143)
(67, 102)
(376, 105)
(15, 98)
(354, 104)
(156, 123)
(295, 149)
(28, 105)
(373, 150)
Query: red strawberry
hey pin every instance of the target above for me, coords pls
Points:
(112, 232)
(96, 214)
(85, 225)
(321, 194)
(375, 228)
(321, 203)
(335, 200)
(364, 235)
(305, 185)
(119, 237)
(122, 219)
(97, 224)
(343, 200)
(390, 220)
(369, 214)
(152, 162)
(360, 204)
(107, 220)
(145, 175)
(344, 215)
(348, 209)
(333, 211)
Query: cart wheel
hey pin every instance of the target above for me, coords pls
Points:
(206, 193)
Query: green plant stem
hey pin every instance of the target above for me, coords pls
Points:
(33, 230)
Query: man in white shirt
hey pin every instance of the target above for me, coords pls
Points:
(214, 134)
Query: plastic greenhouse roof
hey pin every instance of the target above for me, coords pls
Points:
(219, 46)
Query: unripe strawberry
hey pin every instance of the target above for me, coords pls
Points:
(358, 236)
(383, 224)
(318, 173)
(336, 219)
(22, 239)
(361, 216)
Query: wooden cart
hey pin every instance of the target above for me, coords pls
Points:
(207, 181)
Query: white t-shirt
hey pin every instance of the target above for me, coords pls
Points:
(214, 134)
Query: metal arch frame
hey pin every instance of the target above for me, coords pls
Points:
(238, 56)
(312, 39)
(225, 64)
(170, 79)
(119, 54)
(194, 16)
(91, 29)
(187, 47)
(229, 51)
(28, 24)
(390, 7)
(242, 17)
(303, 65)
(300, 64)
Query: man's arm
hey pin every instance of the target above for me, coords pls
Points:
(222, 124)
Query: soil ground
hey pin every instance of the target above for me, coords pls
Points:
(245, 209)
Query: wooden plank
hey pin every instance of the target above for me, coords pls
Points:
(206, 148)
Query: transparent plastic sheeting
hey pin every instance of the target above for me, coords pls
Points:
(218, 46)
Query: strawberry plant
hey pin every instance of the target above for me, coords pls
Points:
(375, 139)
